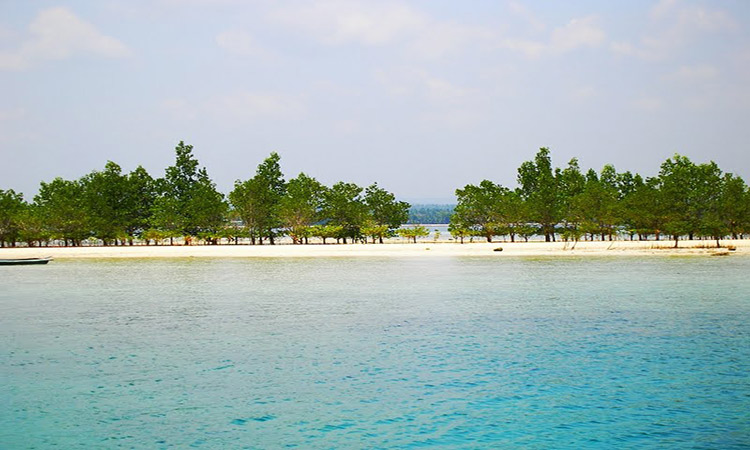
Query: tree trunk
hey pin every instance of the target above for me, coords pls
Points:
(512, 237)
(676, 239)
(381, 239)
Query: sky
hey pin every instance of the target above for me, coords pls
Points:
(421, 96)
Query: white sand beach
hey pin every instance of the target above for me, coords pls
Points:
(392, 249)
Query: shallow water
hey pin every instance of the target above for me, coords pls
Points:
(377, 353)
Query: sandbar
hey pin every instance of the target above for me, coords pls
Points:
(392, 249)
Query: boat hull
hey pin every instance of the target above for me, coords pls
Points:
(24, 261)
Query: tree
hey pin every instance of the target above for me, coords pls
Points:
(326, 231)
(300, 207)
(414, 232)
(12, 208)
(677, 191)
(140, 194)
(257, 199)
(343, 206)
(539, 188)
(385, 211)
(571, 184)
(188, 203)
(104, 197)
(61, 208)
(734, 205)
(479, 208)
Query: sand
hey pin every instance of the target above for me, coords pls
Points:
(392, 249)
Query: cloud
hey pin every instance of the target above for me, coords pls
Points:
(373, 24)
(241, 43)
(246, 105)
(58, 34)
(419, 83)
(581, 32)
(341, 22)
(693, 74)
(12, 114)
(521, 11)
(675, 26)
(577, 33)
(648, 104)
(583, 94)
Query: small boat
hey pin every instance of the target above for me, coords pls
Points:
(24, 261)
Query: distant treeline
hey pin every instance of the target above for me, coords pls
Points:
(684, 200)
(109, 207)
(430, 214)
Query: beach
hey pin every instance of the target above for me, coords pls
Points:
(392, 249)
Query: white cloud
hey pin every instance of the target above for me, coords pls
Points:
(648, 104)
(519, 10)
(694, 74)
(246, 105)
(179, 108)
(241, 43)
(340, 22)
(583, 94)
(581, 32)
(57, 34)
(675, 25)
(577, 33)
(12, 114)
(420, 84)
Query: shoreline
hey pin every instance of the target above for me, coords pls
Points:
(392, 249)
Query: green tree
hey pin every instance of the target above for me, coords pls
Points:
(12, 208)
(480, 208)
(188, 203)
(343, 205)
(540, 190)
(385, 211)
(413, 233)
(300, 207)
(140, 194)
(326, 231)
(735, 205)
(257, 200)
(677, 179)
(61, 207)
(104, 197)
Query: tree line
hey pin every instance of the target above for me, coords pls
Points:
(110, 207)
(684, 200)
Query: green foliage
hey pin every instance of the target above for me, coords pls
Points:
(12, 209)
(300, 207)
(385, 212)
(188, 203)
(539, 188)
(108, 206)
(343, 206)
(326, 231)
(61, 206)
(412, 233)
(257, 200)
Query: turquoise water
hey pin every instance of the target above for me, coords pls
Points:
(377, 353)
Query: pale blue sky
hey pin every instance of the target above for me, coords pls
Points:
(421, 96)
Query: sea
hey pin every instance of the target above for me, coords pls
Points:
(377, 353)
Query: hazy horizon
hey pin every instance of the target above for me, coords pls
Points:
(422, 96)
